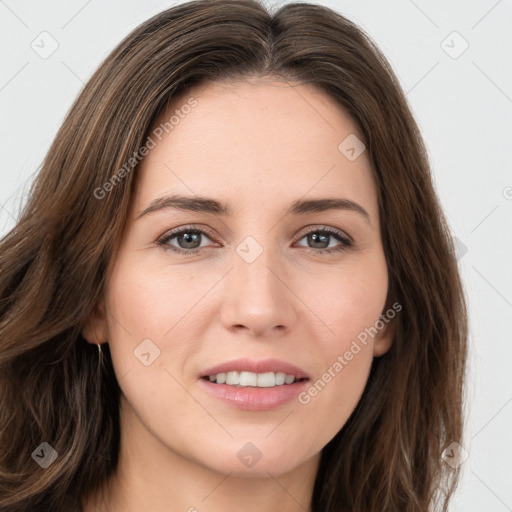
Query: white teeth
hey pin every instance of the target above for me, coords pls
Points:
(266, 380)
(248, 379)
(289, 379)
(233, 378)
(260, 380)
(280, 378)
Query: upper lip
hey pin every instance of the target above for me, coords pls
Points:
(256, 366)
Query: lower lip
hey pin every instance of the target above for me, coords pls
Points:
(255, 399)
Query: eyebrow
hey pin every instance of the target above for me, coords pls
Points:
(212, 206)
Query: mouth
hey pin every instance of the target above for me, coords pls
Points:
(254, 385)
(255, 398)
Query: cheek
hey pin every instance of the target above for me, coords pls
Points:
(333, 395)
(350, 300)
(150, 301)
(350, 304)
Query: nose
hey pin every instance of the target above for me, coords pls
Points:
(258, 296)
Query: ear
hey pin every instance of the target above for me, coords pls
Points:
(95, 329)
(384, 338)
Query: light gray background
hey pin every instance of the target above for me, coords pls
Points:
(463, 106)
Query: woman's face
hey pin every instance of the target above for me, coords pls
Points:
(253, 282)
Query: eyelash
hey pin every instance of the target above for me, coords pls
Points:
(346, 242)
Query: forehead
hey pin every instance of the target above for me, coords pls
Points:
(244, 141)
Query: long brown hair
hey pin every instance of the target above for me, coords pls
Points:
(53, 264)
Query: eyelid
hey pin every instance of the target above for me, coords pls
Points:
(171, 233)
(332, 230)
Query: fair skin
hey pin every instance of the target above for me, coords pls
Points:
(257, 147)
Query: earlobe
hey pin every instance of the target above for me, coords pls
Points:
(95, 329)
(384, 339)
